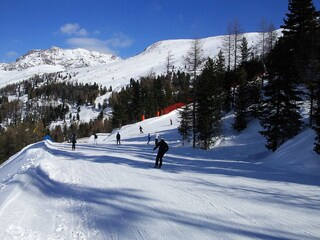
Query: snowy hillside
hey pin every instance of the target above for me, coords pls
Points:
(237, 190)
(115, 72)
(151, 61)
(11, 77)
(66, 58)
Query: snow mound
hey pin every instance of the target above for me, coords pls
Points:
(297, 155)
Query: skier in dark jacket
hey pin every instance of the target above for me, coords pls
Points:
(73, 141)
(95, 138)
(163, 148)
(141, 129)
(118, 139)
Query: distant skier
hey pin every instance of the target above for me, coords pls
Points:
(156, 138)
(149, 138)
(73, 141)
(163, 148)
(118, 138)
(95, 139)
(141, 129)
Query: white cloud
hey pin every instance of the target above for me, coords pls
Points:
(79, 37)
(92, 44)
(111, 45)
(73, 29)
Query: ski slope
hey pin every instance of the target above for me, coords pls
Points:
(237, 190)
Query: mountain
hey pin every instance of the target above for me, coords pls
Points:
(152, 61)
(67, 58)
(112, 71)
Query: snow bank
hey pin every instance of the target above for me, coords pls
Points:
(297, 155)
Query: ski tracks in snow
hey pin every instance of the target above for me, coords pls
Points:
(109, 192)
(75, 211)
(65, 216)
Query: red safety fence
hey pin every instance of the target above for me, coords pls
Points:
(172, 107)
(166, 110)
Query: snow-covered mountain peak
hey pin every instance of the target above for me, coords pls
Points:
(67, 58)
(109, 70)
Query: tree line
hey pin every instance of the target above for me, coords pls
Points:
(270, 86)
(147, 97)
(42, 100)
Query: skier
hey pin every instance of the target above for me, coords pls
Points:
(163, 148)
(141, 130)
(73, 141)
(149, 138)
(118, 139)
(95, 139)
(156, 138)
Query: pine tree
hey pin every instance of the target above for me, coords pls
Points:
(302, 32)
(185, 114)
(135, 105)
(8, 142)
(209, 102)
(312, 79)
(280, 115)
(148, 97)
(185, 127)
(242, 94)
(194, 60)
(241, 101)
(288, 62)
(301, 29)
(314, 87)
(159, 93)
(317, 120)
(245, 50)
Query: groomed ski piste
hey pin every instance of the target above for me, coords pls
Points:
(236, 190)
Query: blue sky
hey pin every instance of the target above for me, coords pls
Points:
(124, 27)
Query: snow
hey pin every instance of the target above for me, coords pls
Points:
(237, 190)
(67, 58)
(12, 77)
(152, 61)
(118, 72)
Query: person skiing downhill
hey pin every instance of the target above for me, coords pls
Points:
(163, 148)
